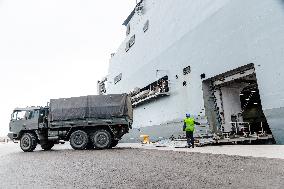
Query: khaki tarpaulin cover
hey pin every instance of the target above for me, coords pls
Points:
(93, 106)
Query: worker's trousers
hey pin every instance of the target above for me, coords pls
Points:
(190, 138)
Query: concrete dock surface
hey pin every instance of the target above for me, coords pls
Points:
(142, 166)
(265, 151)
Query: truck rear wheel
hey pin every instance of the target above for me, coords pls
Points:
(101, 139)
(47, 146)
(79, 140)
(28, 142)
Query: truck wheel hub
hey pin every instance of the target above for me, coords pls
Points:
(102, 139)
(26, 142)
(78, 139)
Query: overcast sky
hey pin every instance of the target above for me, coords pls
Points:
(55, 48)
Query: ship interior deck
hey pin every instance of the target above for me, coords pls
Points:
(233, 107)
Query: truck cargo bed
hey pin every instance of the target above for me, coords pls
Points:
(92, 106)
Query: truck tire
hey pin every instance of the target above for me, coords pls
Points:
(79, 140)
(101, 139)
(28, 142)
(47, 146)
(113, 143)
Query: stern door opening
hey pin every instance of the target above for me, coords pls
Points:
(233, 107)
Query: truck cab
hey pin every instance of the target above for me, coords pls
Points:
(24, 120)
(27, 125)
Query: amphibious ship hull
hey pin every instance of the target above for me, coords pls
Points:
(220, 60)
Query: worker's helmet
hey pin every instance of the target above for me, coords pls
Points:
(187, 115)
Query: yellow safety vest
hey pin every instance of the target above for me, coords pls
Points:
(189, 122)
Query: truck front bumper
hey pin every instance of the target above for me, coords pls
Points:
(11, 136)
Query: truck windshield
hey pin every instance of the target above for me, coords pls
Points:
(24, 114)
(18, 115)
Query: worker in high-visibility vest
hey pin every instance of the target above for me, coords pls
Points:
(189, 127)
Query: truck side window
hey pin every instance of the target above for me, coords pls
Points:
(29, 115)
(32, 114)
(36, 114)
(41, 116)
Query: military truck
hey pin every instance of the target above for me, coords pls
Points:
(95, 121)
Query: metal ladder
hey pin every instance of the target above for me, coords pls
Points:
(246, 104)
(212, 89)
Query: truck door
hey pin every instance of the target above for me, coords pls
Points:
(43, 118)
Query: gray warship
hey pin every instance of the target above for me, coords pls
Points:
(219, 60)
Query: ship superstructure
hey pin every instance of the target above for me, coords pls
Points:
(220, 60)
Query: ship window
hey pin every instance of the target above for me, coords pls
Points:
(139, 7)
(128, 30)
(186, 70)
(127, 46)
(118, 78)
(146, 26)
(102, 86)
(130, 43)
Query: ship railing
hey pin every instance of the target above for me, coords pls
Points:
(150, 97)
(241, 127)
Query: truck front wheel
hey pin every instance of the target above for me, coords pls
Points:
(101, 139)
(28, 142)
(79, 140)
